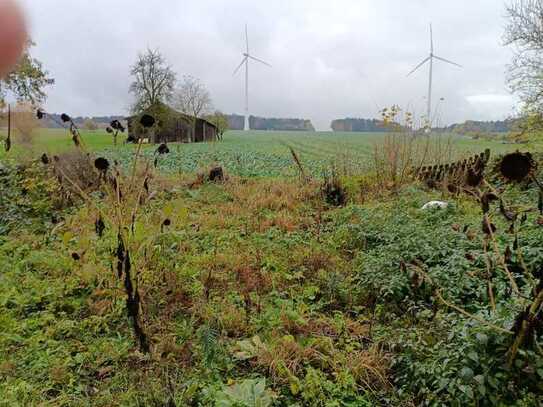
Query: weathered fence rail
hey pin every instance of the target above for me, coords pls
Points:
(468, 171)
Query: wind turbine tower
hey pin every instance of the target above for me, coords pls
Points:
(430, 59)
(245, 61)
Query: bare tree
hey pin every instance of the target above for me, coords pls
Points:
(525, 33)
(154, 80)
(193, 99)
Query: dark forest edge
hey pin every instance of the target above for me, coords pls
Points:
(235, 122)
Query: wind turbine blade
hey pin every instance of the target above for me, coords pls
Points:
(419, 65)
(447, 61)
(259, 60)
(431, 40)
(240, 65)
(246, 38)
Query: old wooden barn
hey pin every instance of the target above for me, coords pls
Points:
(171, 126)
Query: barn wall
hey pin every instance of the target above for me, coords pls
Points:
(199, 136)
(176, 129)
(210, 134)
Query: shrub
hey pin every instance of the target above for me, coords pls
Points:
(333, 191)
(459, 363)
(28, 197)
(76, 172)
(90, 125)
(406, 258)
(25, 123)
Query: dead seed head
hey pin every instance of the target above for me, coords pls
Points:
(147, 120)
(516, 167)
(474, 177)
(101, 164)
(116, 125)
(216, 174)
(65, 118)
(163, 149)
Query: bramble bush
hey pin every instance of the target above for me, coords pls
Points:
(29, 197)
(442, 357)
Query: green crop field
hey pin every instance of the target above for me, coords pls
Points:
(58, 140)
(254, 153)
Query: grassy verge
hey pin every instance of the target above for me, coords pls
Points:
(258, 293)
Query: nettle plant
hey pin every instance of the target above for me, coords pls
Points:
(124, 194)
(512, 280)
(515, 168)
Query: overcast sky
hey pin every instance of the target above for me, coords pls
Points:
(331, 59)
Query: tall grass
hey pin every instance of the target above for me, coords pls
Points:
(404, 149)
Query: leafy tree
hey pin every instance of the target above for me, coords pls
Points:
(154, 80)
(27, 81)
(220, 120)
(193, 99)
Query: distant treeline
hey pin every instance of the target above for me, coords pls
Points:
(53, 120)
(363, 125)
(470, 127)
(236, 122)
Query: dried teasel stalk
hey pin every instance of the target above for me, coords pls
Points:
(7, 143)
(99, 226)
(133, 299)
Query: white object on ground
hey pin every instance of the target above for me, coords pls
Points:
(435, 205)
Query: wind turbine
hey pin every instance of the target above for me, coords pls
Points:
(245, 60)
(430, 59)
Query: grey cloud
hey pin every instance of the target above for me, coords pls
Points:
(330, 59)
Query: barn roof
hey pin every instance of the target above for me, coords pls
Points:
(173, 112)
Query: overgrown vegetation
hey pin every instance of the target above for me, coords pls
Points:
(262, 292)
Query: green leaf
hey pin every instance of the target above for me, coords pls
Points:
(466, 373)
(250, 393)
(473, 356)
(249, 348)
(480, 379)
(66, 237)
(168, 209)
(482, 338)
(294, 386)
